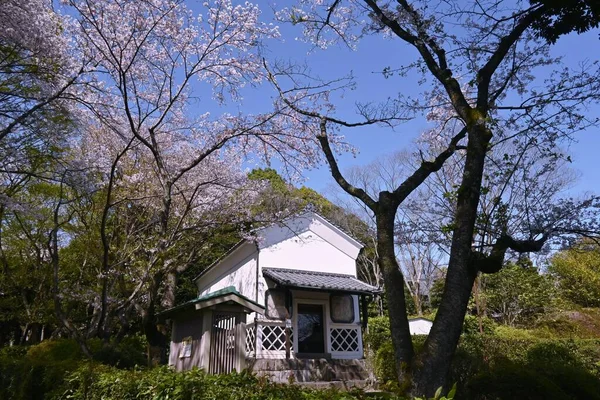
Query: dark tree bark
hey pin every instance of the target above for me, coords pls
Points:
(394, 288)
(429, 370)
(432, 365)
(154, 332)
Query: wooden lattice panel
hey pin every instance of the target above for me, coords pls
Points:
(344, 339)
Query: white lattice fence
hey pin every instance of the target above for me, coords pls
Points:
(250, 340)
(345, 339)
(273, 338)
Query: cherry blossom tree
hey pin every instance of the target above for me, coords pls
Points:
(478, 63)
(162, 133)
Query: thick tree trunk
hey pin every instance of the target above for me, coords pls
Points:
(394, 288)
(433, 364)
(155, 335)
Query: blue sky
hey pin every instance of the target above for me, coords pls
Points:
(375, 53)
(373, 142)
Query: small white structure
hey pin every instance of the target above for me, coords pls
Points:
(291, 294)
(419, 326)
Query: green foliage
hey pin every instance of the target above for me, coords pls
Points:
(91, 382)
(436, 291)
(517, 294)
(492, 367)
(565, 16)
(221, 240)
(511, 363)
(473, 324)
(385, 366)
(438, 394)
(578, 273)
(128, 353)
(379, 342)
(378, 334)
(39, 372)
(269, 174)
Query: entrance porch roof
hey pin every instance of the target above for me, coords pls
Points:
(321, 281)
(226, 296)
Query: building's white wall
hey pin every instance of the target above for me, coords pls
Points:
(238, 269)
(307, 251)
(419, 326)
(276, 234)
(307, 242)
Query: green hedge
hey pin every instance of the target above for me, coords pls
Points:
(57, 369)
(93, 382)
(491, 366)
(39, 372)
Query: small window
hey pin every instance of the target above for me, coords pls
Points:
(186, 347)
(342, 308)
(275, 306)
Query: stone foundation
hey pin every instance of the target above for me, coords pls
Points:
(309, 370)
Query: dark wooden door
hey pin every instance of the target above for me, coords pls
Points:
(311, 335)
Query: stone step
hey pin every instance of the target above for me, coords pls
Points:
(315, 370)
(340, 385)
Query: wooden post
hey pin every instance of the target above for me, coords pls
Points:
(288, 323)
(365, 311)
(240, 342)
(206, 339)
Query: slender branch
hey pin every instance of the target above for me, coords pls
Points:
(335, 171)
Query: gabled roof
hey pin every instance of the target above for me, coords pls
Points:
(309, 212)
(222, 296)
(325, 281)
(304, 214)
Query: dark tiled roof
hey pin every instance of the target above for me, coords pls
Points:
(318, 280)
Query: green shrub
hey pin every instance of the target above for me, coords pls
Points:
(471, 325)
(91, 382)
(491, 367)
(510, 332)
(378, 334)
(130, 352)
(55, 350)
(385, 366)
(508, 380)
(39, 372)
(558, 326)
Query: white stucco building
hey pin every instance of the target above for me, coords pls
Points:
(291, 294)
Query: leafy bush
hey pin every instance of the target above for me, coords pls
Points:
(514, 364)
(512, 381)
(38, 372)
(385, 366)
(91, 382)
(518, 293)
(471, 325)
(378, 334)
(490, 367)
(127, 354)
(578, 273)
